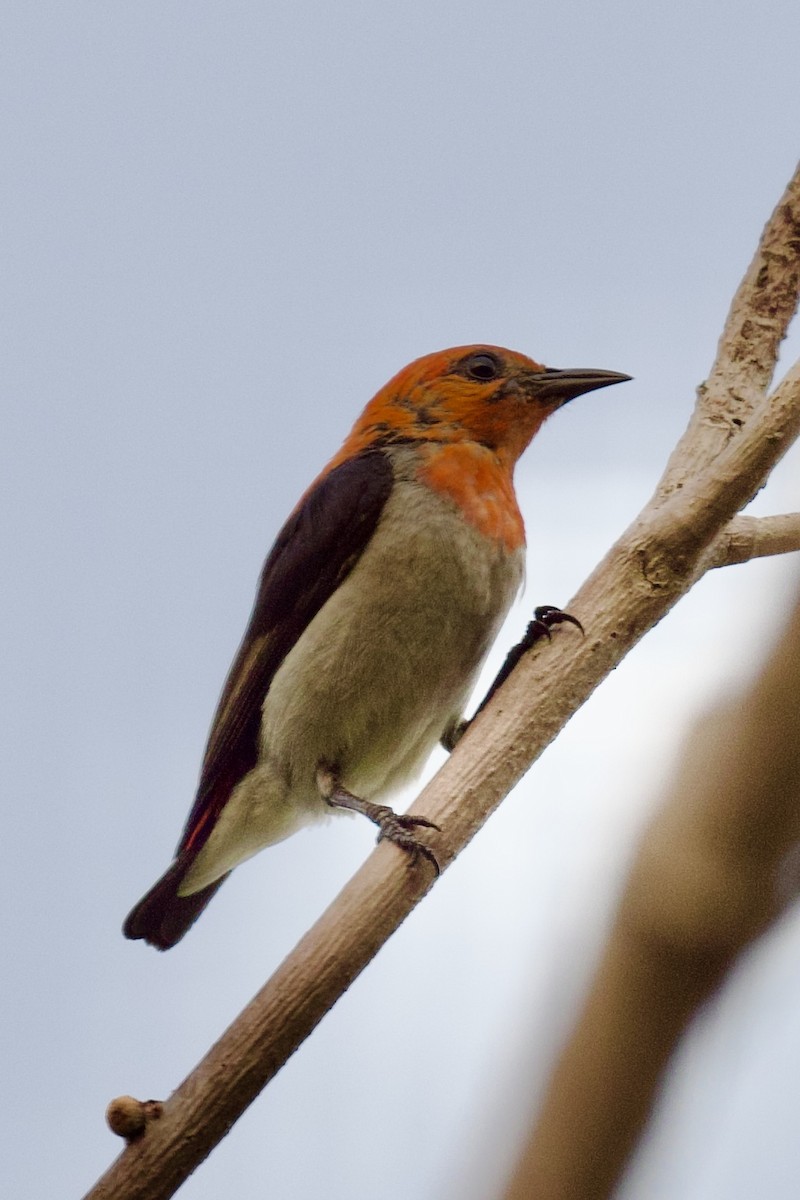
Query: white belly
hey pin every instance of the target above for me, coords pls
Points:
(391, 658)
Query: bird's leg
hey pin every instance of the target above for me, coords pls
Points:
(544, 618)
(394, 827)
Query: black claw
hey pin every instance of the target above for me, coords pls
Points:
(544, 617)
(548, 614)
(537, 628)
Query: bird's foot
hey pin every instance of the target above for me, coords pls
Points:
(454, 733)
(392, 827)
(544, 618)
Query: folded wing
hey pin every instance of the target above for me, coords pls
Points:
(316, 549)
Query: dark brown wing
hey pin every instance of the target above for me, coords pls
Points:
(317, 547)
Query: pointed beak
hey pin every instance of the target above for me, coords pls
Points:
(552, 386)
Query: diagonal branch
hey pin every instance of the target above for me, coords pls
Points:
(655, 561)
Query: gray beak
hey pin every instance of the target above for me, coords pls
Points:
(552, 386)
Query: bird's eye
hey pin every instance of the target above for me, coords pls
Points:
(483, 367)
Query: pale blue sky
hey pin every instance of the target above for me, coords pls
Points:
(225, 226)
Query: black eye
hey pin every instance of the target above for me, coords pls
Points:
(482, 366)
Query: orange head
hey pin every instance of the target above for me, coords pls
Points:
(481, 394)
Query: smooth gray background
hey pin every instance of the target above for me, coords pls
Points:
(225, 226)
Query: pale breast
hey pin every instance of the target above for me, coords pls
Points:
(391, 658)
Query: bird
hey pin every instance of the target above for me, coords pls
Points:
(375, 610)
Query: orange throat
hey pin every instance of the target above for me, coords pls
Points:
(479, 485)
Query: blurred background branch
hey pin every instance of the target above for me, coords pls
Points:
(717, 867)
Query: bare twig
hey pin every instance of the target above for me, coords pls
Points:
(709, 878)
(759, 317)
(640, 579)
(745, 538)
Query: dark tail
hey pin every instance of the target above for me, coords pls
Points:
(162, 917)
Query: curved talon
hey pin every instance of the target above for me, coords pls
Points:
(395, 827)
(426, 852)
(549, 614)
(544, 617)
(408, 822)
(392, 826)
(406, 841)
